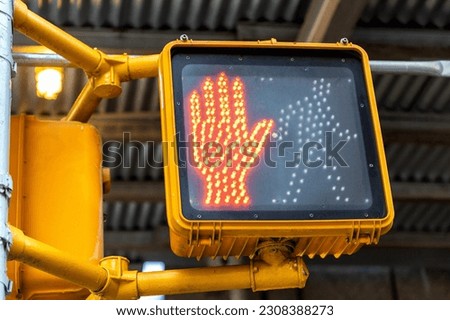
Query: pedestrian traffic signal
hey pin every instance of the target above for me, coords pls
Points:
(56, 167)
(271, 140)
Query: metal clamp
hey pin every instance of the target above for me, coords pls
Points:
(6, 242)
(14, 69)
(344, 41)
(6, 185)
(8, 284)
(5, 236)
(184, 37)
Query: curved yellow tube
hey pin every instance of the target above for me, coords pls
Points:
(85, 105)
(42, 31)
(56, 262)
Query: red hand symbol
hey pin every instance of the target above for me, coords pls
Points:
(225, 150)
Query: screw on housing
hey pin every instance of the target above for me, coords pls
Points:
(184, 37)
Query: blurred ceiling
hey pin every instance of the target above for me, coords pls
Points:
(414, 112)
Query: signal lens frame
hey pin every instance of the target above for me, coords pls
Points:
(194, 69)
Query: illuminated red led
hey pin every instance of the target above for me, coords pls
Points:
(225, 150)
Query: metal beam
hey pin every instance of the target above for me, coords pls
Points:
(408, 37)
(266, 30)
(414, 191)
(317, 20)
(397, 44)
(380, 43)
(403, 52)
(132, 42)
(403, 43)
(136, 191)
(140, 240)
(344, 20)
(141, 126)
(385, 256)
(423, 240)
(415, 128)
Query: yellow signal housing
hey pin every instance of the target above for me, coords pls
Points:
(57, 199)
(271, 142)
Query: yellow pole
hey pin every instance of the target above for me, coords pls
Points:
(56, 262)
(47, 34)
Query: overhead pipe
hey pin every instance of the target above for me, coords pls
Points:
(41, 60)
(6, 69)
(435, 68)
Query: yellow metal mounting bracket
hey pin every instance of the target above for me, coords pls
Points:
(105, 72)
(112, 279)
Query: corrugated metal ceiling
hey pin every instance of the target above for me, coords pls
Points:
(225, 14)
(410, 13)
(168, 14)
(409, 93)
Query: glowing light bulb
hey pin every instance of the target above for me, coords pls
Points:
(48, 82)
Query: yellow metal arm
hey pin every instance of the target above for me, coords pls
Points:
(84, 106)
(105, 72)
(112, 279)
(42, 31)
(258, 276)
(56, 262)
